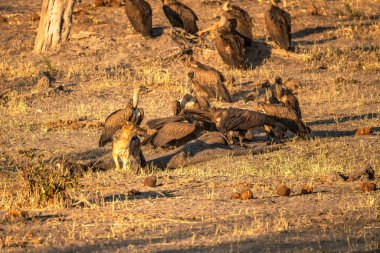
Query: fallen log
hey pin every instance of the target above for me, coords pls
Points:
(211, 145)
(207, 147)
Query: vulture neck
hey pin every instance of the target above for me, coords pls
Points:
(274, 3)
(135, 99)
(227, 6)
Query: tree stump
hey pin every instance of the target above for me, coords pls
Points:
(55, 24)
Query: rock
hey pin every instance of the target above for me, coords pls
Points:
(113, 3)
(150, 181)
(3, 19)
(362, 173)
(34, 16)
(364, 131)
(133, 192)
(368, 186)
(245, 195)
(99, 3)
(283, 190)
(235, 195)
(15, 215)
(306, 190)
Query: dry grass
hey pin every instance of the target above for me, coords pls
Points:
(191, 207)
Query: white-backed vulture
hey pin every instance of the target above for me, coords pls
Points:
(180, 15)
(229, 44)
(175, 134)
(287, 97)
(278, 24)
(117, 119)
(234, 119)
(288, 117)
(244, 21)
(139, 14)
(190, 102)
(207, 82)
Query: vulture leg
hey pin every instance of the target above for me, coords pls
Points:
(241, 138)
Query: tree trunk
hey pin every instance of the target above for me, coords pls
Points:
(55, 24)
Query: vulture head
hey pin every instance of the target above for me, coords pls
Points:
(166, 2)
(226, 6)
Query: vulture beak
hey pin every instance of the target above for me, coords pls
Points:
(227, 6)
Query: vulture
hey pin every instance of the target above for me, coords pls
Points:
(287, 97)
(229, 44)
(172, 131)
(179, 15)
(235, 119)
(287, 117)
(244, 21)
(207, 81)
(278, 24)
(126, 146)
(116, 120)
(190, 102)
(139, 14)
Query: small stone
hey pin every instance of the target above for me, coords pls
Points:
(245, 195)
(150, 181)
(34, 17)
(306, 190)
(364, 131)
(283, 190)
(3, 19)
(368, 187)
(16, 215)
(99, 3)
(235, 195)
(133, 192)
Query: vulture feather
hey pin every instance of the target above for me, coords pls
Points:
(174, 133)
(278, 24)
(116, 120)
(139, 14)
(229, 44)
(207, 82)
(244, 21)
(234, 119)
(180, 15)
(287, 97)
(288, 117)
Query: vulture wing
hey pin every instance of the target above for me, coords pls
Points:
(288, 117)
(203, 103)
(278, 24)
(173, 131)
(231, 48)
(159, 123)
(180, 15)
(211, 82)
(113, 123)
(244, 23)
(139, 14)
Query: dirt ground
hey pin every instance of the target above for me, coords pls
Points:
(337, 62)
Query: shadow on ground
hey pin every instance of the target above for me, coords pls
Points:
(343, 119)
